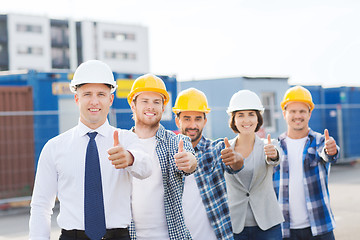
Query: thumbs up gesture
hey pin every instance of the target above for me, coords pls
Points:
(270, 150)
(230, 157)
(118, 156)
(185, 161)
(330, 144)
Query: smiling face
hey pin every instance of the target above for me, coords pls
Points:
(94, 101)
(148, 108)
(246, 121)
(191, 124)
(297, 116)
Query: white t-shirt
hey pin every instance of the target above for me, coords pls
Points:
(148, 200)
(297, 205)
(195, 215)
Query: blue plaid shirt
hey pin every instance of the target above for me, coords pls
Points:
(316, 171)
(167, 144)
(211, 182)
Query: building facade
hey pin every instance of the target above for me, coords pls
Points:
(43, 44)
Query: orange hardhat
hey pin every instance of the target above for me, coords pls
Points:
(148, 83)
(297, 94)
(191, 99)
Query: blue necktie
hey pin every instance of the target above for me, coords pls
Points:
(95, 227)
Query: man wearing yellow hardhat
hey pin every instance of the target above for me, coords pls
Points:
(156, 202)
(301, 179)
(205, 200)
(75, 167)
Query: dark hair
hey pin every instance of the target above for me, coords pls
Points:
(233, 126)
(178, 115)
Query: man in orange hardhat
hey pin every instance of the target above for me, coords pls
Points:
(156, 202)
(205, 201)
(301, 179)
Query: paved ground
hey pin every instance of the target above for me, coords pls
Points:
(345, 200)
(344, 193)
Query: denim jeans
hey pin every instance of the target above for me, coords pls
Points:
(305, 234)
(255, 233)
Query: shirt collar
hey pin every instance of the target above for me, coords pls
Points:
(160, 134)
(102, 130)
(201, 144)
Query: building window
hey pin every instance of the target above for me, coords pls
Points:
(119, 36)
(60, 58)
(28, 50)
(120, 55)
(268, 100)
(59, 36)
(28, 28)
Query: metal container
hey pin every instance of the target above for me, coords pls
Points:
(16, 142)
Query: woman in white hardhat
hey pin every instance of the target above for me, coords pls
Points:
(254, 210)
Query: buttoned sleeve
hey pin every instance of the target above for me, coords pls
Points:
(141, 167)
(44, 194)
(328, 158)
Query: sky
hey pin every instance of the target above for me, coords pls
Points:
(309, 41)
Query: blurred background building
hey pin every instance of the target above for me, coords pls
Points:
(43, 44)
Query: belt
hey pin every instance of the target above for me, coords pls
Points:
(110, 233)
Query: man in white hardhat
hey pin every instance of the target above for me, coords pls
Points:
(89, 168)
(205, 200)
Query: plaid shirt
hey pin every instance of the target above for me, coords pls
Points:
(316, 171)
(211, 182)
(167, 144)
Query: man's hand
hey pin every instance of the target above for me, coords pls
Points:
(118, 156)
(231, 158)
(185, 161)
(270, 150)
(330, 144)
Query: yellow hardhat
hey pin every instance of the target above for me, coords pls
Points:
(148, 83)
(191, 99)
(297, 94)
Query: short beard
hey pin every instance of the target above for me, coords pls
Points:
(197, 136)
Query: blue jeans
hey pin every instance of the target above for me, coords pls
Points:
(255, 233)
(305, 234)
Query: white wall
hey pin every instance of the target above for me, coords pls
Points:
(29, 39)
(88, 40)
(139, 46)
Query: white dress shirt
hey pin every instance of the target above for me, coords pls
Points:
(61, 172)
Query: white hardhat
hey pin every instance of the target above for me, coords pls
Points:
(93, 71)
(245, 100)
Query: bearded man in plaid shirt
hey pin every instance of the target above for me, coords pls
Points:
(206, 210)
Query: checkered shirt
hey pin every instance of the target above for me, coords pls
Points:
(316, 171)
(211, 182)
(167, 144)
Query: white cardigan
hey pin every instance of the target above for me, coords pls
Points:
(261, 195)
